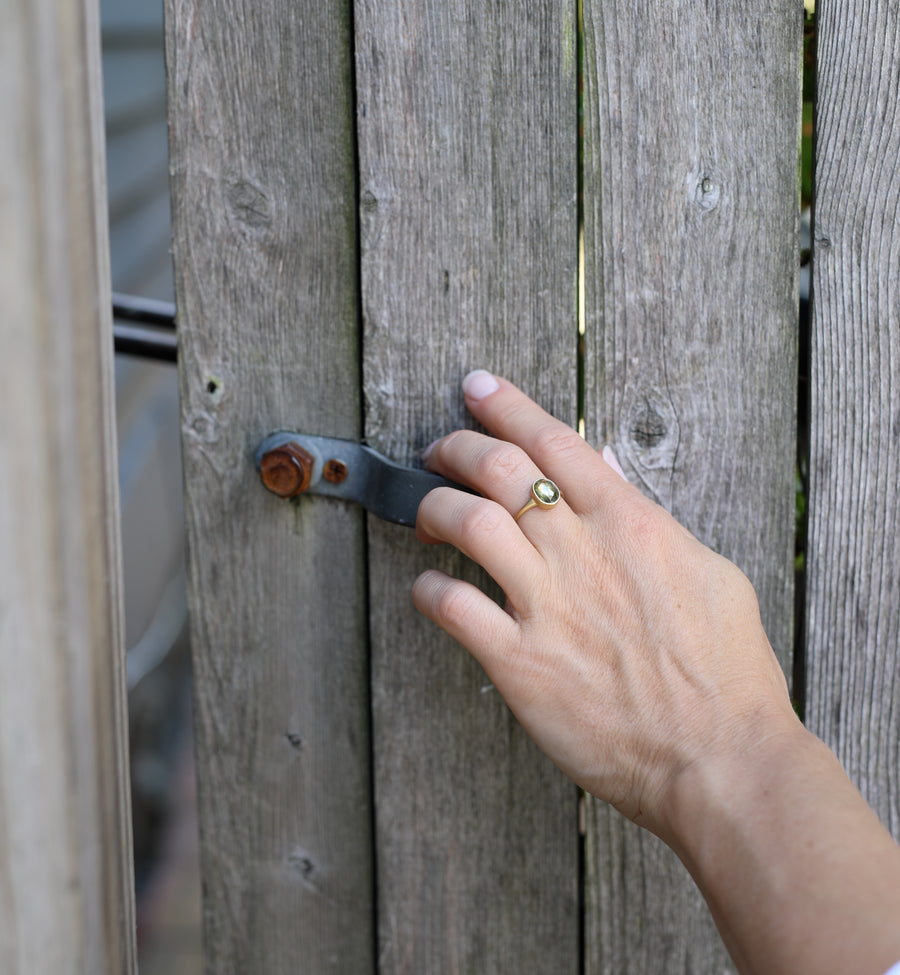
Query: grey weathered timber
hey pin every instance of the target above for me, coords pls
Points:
(66, 886)
(265, 268)
(692, 123)
(853, 615)
(467, 146)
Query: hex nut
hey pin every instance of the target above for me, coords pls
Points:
(286, 470)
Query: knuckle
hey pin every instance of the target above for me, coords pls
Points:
(741, 588)
(454, 604)
(500, 460)
(556, 440)
(645, 524)
(483, 517)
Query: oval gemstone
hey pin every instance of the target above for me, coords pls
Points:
(545, 491)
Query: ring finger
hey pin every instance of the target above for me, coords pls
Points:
(497, 470)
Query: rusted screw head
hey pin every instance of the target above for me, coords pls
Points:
(286, 470)
(335, 471)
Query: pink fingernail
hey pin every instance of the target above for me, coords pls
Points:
(610, 458)
(426, 453)
(479, 384)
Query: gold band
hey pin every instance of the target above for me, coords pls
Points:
(544, 494)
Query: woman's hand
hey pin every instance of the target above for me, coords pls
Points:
(628, 650)
(636, 659)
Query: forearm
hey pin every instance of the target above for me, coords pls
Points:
(798, 872)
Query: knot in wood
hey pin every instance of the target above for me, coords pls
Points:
(648, 428)
(249, 204)
(707, 193)
(705, 185)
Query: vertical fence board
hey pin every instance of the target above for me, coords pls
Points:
(692, 121)
(66, 888)
(265, 263)
(467, 146)
(853, 607)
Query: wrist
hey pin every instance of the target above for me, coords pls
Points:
(766, 828)
(733, 819)
(736, 776)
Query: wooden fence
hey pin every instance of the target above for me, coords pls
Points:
(370, 199)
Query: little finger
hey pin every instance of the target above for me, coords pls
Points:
(466, 613)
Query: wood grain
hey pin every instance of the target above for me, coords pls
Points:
(263, 193)
(854, 566)
(66, 884)
(691, 121)
(467, 143)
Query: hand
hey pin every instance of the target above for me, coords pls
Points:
(628, 650)
(636, 659)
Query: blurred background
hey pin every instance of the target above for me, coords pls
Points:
(150, 481)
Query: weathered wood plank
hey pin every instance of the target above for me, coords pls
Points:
(467, 141)
(66, 885)
(264, 234)
(853, 613)
(692, 122)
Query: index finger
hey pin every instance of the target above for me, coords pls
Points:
(555, 447)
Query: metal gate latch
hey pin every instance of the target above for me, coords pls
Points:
(294, 463)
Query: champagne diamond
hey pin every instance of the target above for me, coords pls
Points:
(545, 492)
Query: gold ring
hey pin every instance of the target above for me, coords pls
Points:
(544, 494)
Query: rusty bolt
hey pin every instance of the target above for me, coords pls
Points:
(286, 470)
(335, 471)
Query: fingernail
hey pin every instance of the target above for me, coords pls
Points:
(426, 453)
(610, 458)
(479, 384)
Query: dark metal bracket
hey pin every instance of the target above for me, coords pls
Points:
(291, 464)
